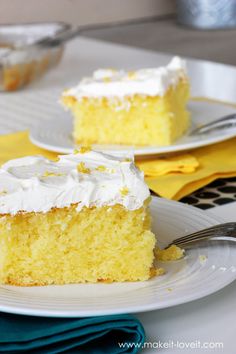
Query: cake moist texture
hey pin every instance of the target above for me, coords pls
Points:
(143, 107)
(84, 218)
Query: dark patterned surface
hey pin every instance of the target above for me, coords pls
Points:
(219, 192)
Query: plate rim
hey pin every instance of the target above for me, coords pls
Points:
(137, 308)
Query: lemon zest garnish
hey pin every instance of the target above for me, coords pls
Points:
(131, 75)
(52, 174)
(82, 168)
(127, 160)
(106, 79)
(101, 168)
(124, 191)
(82, 150)
(3, 192)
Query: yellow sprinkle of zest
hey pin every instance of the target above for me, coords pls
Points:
(101, 168)
(84, 149)
(106, 79)
(3, 192)
(124, 191)
(127, 160)
(131, 75)
(82, 168)
(51, 174)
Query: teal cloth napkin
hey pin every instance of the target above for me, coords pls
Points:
(92, 335)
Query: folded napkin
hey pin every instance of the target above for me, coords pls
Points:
(93, 335)
(171, 177)
(159, 166)
(214, 161)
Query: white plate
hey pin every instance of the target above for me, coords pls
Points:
(55, 135)
(187, 279)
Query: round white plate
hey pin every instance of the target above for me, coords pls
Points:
(56, 134)
(188, 279)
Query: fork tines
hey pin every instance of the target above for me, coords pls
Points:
(221, 230)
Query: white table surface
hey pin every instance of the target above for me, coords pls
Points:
(212, 318)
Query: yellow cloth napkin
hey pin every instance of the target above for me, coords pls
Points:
(215, 161)
(17, 145)
(173, 177)
(159, 166)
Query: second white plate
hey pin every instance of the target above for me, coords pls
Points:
(56, 134)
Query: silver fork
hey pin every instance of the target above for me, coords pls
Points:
(226, 231)
(225, 122)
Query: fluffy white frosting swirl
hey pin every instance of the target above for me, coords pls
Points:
(35, 184)
(113, 83)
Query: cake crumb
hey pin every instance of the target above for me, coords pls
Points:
(202, 258)
(172, 253)
(160, 271)
(156, 271)
(82, 168)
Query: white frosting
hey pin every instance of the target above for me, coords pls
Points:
(35, 184)
(112, 83)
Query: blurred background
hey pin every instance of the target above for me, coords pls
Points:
(150, 24)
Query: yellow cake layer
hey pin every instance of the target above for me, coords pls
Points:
(66, 246)
(136, 120)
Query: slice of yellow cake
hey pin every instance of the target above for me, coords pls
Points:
(144, 107)
(84, 218)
